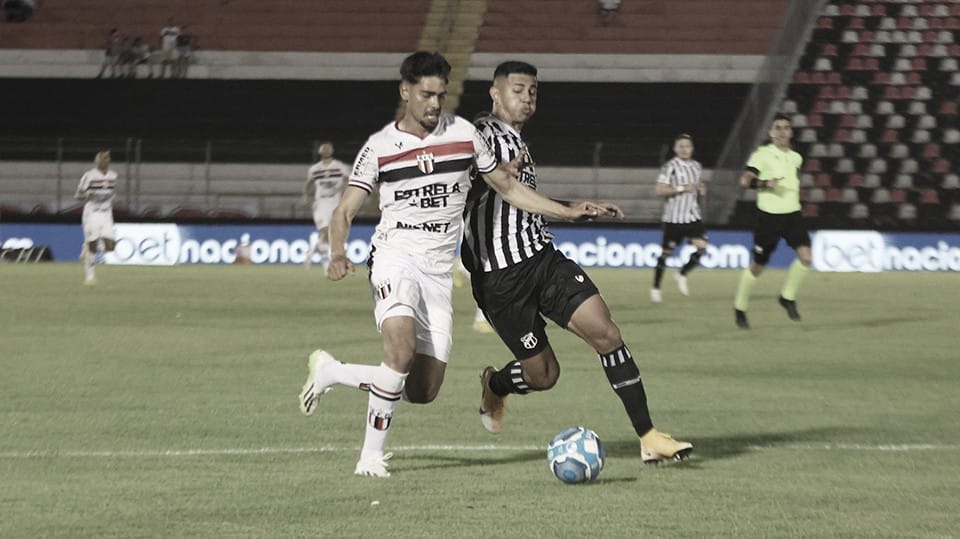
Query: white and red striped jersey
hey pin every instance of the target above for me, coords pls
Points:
(328, 180)
(423, 184)
(101, 187)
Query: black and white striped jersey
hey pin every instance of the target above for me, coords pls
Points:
(683, 207)
(496, 234)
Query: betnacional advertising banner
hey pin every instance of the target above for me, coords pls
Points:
(592, 246)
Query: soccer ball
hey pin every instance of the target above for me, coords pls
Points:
(576, 455)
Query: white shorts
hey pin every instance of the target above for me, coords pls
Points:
(97, 225)
(322, 212)
(399, 288)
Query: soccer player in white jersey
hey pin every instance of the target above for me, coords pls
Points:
(679, 184)
(97, 188)
(325, 182)
(519, 278)
(421, 166)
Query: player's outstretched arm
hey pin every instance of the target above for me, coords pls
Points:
(339, 231)
(527, 199)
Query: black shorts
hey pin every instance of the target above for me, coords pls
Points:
(513, 299)
(771, 227)
(675, 233)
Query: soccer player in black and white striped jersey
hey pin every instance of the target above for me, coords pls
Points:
(679, 183)
(519, 277)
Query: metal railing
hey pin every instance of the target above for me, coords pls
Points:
(752, 123)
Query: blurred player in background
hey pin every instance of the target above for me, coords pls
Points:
(97, 188)
(679, 183)
(421, 165)
(772, 170)
(325, 183)
(518, 275)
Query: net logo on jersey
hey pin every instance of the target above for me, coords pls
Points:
(425, 162)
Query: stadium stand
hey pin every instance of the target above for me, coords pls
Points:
(874, 107)
(591, 117)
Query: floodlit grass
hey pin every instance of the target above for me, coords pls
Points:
(163, 403)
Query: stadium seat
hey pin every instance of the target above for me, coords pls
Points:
(880, 196)
(859, 212)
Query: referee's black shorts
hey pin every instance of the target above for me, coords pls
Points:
(675, 233)
(514, 298)
(771, 227)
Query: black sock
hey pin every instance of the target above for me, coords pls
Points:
(625, 379)
(692, 263)
(658, 273)
(508, 380)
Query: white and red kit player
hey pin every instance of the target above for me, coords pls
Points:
(97, 188)
(421, 167)
(325, 182)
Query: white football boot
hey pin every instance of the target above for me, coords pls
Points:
(682, 284)
(373, 466)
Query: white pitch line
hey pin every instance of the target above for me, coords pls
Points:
(858, 447)
(43, 453)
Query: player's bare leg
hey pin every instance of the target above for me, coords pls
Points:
(592, 323)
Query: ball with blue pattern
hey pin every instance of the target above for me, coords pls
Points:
(576, 455)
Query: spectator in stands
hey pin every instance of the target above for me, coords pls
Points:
(126, 59)
(608, 9)
(141, 57)
(168, 47)
(19, 10)
(184, 54)
(111, 54)
(773, 171)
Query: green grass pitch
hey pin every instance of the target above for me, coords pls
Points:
(163, 403)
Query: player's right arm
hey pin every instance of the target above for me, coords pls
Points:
(666, 189)
(82, 193)
(339, 230)
(308, 189)
(750, 179)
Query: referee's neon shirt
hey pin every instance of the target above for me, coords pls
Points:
(772, 162)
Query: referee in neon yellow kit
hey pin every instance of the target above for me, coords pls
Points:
(773, 171)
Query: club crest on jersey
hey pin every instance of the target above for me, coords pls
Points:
(528, 341)
(425, 162)
(383, 290)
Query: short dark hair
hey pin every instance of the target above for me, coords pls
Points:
(514, 66)
(781, 117)
(424, 64)
(683, 136)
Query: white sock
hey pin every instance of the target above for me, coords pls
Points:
(88, 262)
(384, 396)
(350, 374)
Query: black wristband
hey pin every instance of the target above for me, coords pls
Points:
(754, 183)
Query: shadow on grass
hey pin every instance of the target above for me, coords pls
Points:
(704, 449)
(725, 447)
(435, 461)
